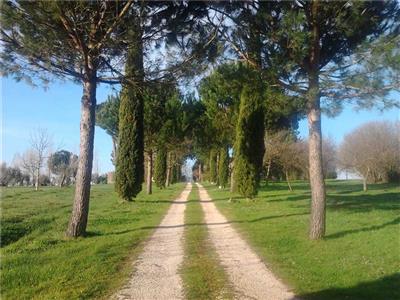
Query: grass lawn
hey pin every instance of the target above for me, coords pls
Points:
(358, 259)
(38, 262)
(202, 275)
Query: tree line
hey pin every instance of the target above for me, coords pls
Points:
(289, 57)
(39, 165)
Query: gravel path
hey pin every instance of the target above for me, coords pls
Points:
(156, 270)
(249, 276)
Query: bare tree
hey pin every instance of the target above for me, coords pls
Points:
(34, 159)
(329, 157)
(372, 151)
(28, 164)
(281, 149)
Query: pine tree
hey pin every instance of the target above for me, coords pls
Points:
(213, 166)
(321, 51)
(223, 167)
(31, 35)
(130, 158)
(160, 169)
(107, 118)
(249, 143)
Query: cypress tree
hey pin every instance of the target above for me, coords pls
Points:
(213, 166)
(160, 169)
(130, 159)
(249, 143)
(223, 167)
(175, 173)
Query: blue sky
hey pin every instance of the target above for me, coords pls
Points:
(25, 108)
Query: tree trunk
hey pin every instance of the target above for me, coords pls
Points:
(232, 187)
(288, 181)
(80, 210)
(37, 179)
(268, 171)
(62, 180)
(200, 174)
(317, 226)
(149, 188)
(365, 187)
(114, 151)
(318, 201)
(167, 180)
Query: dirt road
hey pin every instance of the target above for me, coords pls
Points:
(156, 270)
(249, 276)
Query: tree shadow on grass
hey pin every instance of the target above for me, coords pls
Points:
(15, 228)
(10, 233)
(234, 199)
(357, 203)
(363, 203)
(365, 229)
(289, 198)
(154, 201)
(385, 288)
(98, 233)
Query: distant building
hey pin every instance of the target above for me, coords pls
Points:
(346, 175)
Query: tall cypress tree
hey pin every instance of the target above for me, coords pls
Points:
(175, 173)
(223, 167)
(249, 143)
(130, 159)
(160, 169)
(213, 166)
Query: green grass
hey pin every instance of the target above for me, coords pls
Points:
(359, 257)
(203, 277)
(38, 262)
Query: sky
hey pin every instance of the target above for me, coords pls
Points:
(25, 108)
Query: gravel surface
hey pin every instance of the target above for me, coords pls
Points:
(156, 270)
(248, 274)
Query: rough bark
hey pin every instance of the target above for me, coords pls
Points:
(317, 222)
(318, 201)
(80, 210)
(149, 184)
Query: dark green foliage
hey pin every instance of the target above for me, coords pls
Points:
(129, 170)
(223, 167)
(107, 115)
(160, 168)
(213, 166)
(249, 143)
(107, 118)
(12, 176)
(64, 164)
(58, 161)
(176, 173)
(130, 157)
